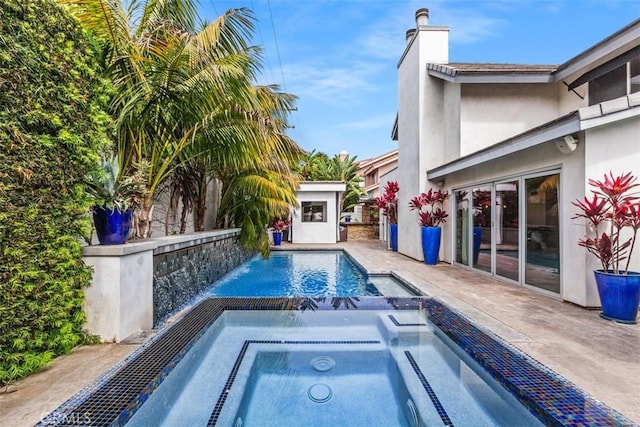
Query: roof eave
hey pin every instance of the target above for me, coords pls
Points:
(493, 77)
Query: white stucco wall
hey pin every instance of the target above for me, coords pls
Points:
(613, 148)
(420, 130)
(119, 301)
(317, 232)
(491, 113)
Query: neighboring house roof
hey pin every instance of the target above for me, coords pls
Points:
(381, 158)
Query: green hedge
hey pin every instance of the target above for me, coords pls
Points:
(51, 129)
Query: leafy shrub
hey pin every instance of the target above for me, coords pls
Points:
(51, 129)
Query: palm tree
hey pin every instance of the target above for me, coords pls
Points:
(182, 94)
(317, 166)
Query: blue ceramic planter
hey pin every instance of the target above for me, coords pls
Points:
(477, 239)
(393, 237)
(619, 295)
(431, 244)
(277, 238)
(112, 226)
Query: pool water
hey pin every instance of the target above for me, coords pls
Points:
(423, 363)
(311, 387)
(323, 368)
(302, 273)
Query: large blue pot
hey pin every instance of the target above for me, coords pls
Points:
(431, 244)
(112, 226)
(393, 237)
(277, 238)
(477, 240)
(619, 295)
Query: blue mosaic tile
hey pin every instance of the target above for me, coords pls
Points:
(116, 395)
(427, 387)
(550, 397)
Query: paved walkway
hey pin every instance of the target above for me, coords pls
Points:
(601, 357)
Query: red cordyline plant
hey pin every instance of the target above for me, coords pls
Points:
(429, 206)
(615, 207)
(389, 201)
(281, 225)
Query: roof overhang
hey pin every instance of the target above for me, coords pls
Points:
(454, 75)
(324, 186)
(554, 130)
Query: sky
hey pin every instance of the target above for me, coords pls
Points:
(339, 57)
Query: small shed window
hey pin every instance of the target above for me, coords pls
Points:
(314, 211)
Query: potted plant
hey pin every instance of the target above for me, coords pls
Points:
(431, 214)
(614, 208)
(389, 205)
(278, 227)
(115, 198)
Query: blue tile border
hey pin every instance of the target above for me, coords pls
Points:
(427, 387)
(397, 323)
(116, 395)
(550, 397)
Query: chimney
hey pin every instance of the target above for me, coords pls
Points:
(422, 17)
(410, 33)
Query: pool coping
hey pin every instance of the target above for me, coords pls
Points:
(550, 397)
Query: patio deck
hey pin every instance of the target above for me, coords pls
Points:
(601, 357)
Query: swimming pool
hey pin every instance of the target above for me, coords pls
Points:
(295, 273)
(388, 345)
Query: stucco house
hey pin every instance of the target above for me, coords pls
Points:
(315, 220)
(514, 145)
(371, 171)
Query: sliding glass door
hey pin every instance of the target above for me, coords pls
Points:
(511, 233)
(507, 235)
(482, 229)
(542, 267)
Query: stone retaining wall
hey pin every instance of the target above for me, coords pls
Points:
(183, 268)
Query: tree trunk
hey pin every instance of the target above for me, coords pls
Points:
(143, 218)
(201, 203)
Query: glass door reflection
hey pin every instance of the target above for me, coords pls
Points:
(542, 267)
(507, 234)
(482, 232)
(462, 227)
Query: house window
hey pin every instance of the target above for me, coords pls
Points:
(314, 211)
(620, 81)
(634, 75)
(608, 86)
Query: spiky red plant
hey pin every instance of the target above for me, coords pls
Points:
(614, 205)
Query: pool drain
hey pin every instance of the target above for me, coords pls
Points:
(320, 393)
(322, 363)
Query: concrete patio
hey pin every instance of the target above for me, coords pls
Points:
(601, 357)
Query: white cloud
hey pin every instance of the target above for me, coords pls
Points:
(330, 84)
(374, 122)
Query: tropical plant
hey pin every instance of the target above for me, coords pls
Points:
(280, 225)
(183, 93)
(52, 127)
(388, 202)
(317, 166)
(108, 189)
(430, 207)
(614, 209)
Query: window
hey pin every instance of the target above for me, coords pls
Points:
(314, 211)
(620, 81)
